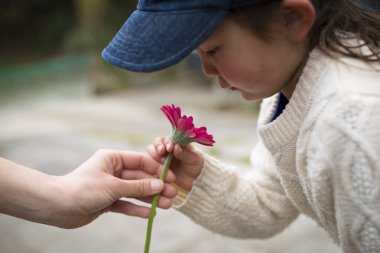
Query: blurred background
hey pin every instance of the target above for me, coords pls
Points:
(60, 102)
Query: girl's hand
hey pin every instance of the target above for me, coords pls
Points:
(187, 162)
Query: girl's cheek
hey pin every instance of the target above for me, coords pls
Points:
(246, 77)
(261, 74)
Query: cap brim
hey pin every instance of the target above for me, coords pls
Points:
(150, 41)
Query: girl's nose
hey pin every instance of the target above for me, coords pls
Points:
(209, 69)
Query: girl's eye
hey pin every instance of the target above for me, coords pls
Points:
(212, 52)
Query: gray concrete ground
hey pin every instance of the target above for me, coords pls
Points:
(55, 135)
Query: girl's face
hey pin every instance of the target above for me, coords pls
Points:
(245, 63)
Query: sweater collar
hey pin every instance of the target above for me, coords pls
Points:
(286, 127)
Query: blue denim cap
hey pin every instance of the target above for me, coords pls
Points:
(160, 33)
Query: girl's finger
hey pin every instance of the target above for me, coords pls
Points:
(153, 152)
(188, 154)
(169, 145)
(158, 140)
(161, 150)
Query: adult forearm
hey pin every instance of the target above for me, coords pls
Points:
(27, 193)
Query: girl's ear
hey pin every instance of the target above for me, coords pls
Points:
(299, 16)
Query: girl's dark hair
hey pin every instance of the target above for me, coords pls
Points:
(341, 26)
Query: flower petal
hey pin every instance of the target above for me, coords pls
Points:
(184, 130)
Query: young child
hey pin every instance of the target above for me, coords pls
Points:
(316, 65)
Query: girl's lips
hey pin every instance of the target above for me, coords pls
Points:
(226, 86)
(223, 83)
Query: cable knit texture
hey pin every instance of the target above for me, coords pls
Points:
(320, 157)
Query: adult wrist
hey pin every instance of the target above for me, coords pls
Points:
(28, 194)
(44, 201)
(57, 201)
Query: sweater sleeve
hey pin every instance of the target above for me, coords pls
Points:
(350, 139)
(251, 205)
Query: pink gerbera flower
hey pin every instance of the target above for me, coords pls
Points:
(184, 131)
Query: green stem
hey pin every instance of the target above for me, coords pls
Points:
(154, 204)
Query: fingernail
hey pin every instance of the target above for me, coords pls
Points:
(156, 185)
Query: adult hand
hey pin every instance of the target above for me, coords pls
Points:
(96, 187)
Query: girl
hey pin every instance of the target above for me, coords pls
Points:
(316, 65)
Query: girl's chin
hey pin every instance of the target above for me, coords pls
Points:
(249, 96)
(252, 96)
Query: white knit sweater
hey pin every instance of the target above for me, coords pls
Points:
(320, 157)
